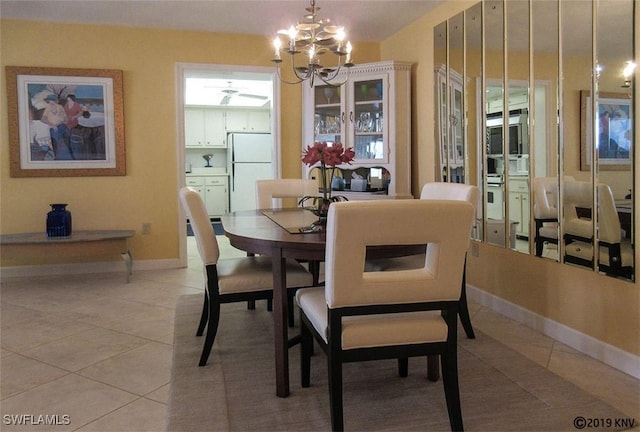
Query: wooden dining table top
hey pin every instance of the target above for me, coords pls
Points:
(259, 231)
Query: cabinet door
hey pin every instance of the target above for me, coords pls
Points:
(236, 121)
(214, 128)
(515, 209)
(524, 226)
(328, 115)
(457, 124)
(259, 121)
(194, 128)
(216, 196)
(367, 119)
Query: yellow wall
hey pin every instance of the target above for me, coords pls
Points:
(599, 306)
(148, 58)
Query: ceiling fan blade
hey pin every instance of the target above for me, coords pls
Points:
(225, 100)
(253, 96)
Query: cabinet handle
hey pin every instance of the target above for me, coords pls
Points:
(342, 117)
(351, 116)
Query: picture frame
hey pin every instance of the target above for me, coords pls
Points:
(615, 140)
(65, 122)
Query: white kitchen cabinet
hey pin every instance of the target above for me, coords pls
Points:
(204, 128)
(214, 191)
(248, 120)
(371, 112)
(519, 205)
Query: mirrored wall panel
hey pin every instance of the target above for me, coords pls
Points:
(535, 106)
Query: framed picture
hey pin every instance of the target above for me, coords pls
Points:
(65, 122)
(614, 141)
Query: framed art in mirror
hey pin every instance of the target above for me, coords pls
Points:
(615, 131)
(65, 122)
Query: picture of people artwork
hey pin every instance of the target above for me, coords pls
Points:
(66, 122)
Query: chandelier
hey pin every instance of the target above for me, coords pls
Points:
(314, 38)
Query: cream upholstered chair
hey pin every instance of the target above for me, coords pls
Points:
(268, 191)
(577, 223)
(439, 191)
(615, 255)
(545, 210)
(269, 194)
(456, 192)
(233, 279)
(366, 315)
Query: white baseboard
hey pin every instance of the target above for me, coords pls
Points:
(608, 354)
(86, 268)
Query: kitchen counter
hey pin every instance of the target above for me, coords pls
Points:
(200, 172)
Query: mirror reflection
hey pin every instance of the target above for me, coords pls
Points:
(544, 152)
(528, 77)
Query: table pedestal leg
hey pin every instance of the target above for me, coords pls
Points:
(281, 335)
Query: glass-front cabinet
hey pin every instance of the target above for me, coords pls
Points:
(370, 112)
(450, 122)
(356, 119)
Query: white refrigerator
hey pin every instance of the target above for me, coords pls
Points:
(249, 160)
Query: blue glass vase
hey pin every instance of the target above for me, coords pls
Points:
(58, 221)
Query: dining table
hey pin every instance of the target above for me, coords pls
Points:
(284, 234)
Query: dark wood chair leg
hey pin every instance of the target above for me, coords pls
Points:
(251, 304)
(451, 388)
(290, 312)
(314, 269)
(205, 315)
(403, 367)
(433, 368)
(212, 329)
(335, 394)
(465, 319)
(306, 350)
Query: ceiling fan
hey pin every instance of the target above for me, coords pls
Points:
(230, 92)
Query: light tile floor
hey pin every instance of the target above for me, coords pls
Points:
(96, 351)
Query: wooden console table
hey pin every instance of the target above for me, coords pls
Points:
(79, 243)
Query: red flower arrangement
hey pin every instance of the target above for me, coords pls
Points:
(329, 156)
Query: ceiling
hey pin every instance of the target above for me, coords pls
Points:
(364, 20)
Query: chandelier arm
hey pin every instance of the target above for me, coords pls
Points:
(284, 80)
(330, 78)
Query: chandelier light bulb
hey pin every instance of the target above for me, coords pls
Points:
(277, 44)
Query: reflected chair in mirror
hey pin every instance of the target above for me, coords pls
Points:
(615, 254)
(370, 315)
(270, 194)
(232, 279)
(545, 211)
(577, 223)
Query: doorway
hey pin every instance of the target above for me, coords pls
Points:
(221, 87)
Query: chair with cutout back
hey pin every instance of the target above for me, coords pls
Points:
(269, 195)
(270, 192)
(367, 315)
(615, 254)
(545, 211)
(233, 279)
(438, 191)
